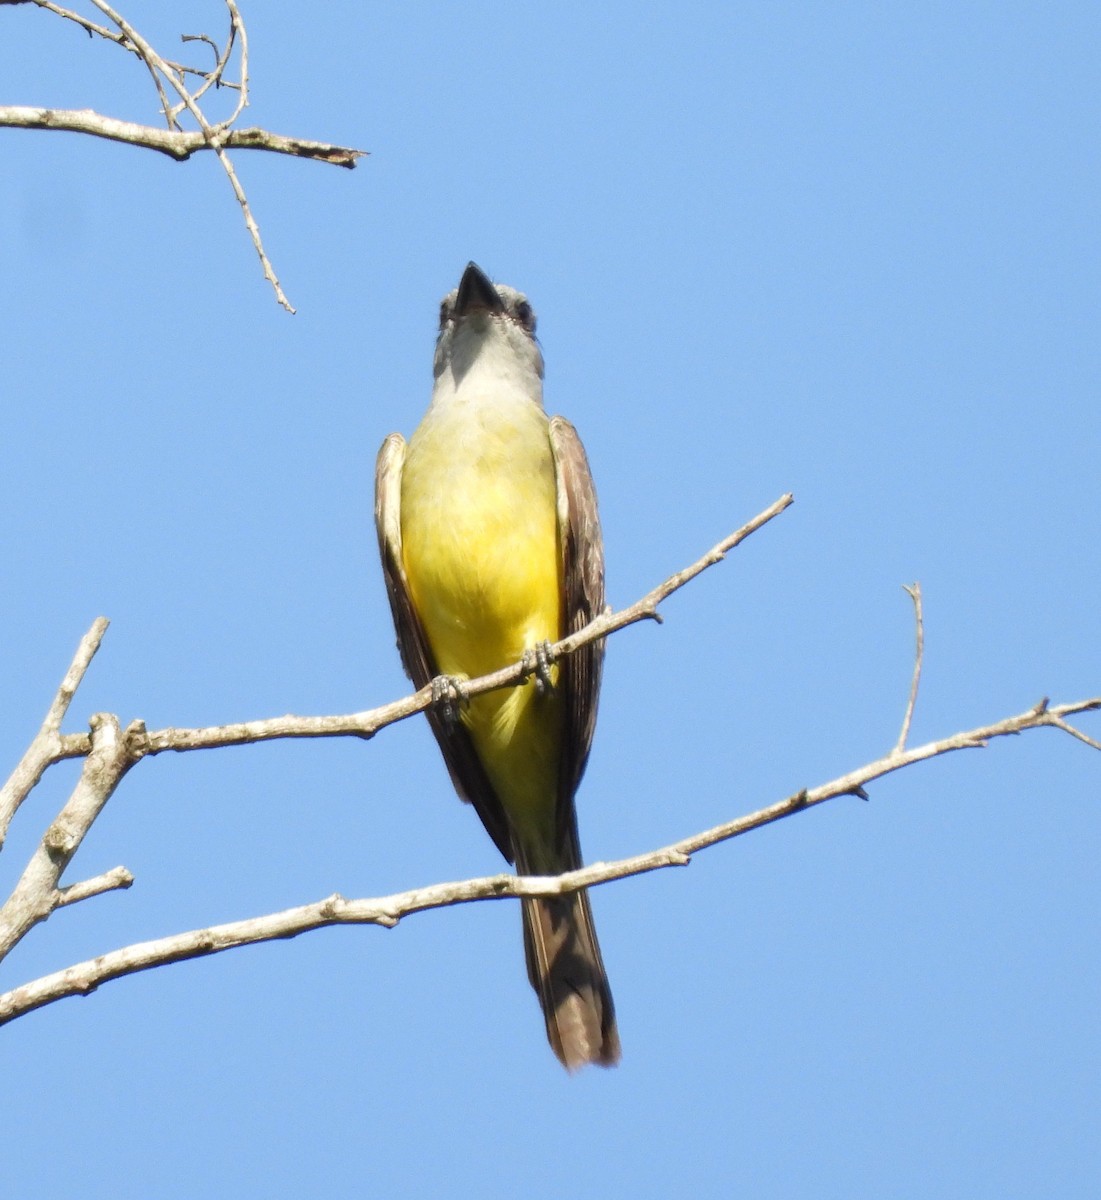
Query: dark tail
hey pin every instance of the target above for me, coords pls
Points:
(566, 970)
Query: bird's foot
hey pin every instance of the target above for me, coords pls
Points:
(538, 662)
(449, 694)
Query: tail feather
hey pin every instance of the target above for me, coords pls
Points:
(567, 973)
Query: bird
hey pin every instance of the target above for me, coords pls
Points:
(491, 549)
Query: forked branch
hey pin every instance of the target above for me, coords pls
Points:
(175, 141)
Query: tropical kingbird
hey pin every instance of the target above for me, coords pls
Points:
(491, 548)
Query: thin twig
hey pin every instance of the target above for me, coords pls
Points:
(387, 911)
(914, 592)
(213, 136)
(237, 30)
(118, 39)
(1066, 727)
(110, 881)
(215, 78)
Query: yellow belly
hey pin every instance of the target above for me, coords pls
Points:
(480, 547)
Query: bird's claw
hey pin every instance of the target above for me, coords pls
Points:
(449, 694)
(538, 662)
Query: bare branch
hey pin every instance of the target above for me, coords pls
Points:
(174, 141)
(914, 592)
(366, 724)
(47, 747)
(109, 881)
(50, 746)
(36, 895)
(387, 911)
(178, 144)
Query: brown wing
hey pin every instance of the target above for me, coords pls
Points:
(463, 765)
(581, 551)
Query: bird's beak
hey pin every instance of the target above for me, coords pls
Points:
(476, 292)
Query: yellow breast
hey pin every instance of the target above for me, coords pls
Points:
(479, 533)
(480, 547)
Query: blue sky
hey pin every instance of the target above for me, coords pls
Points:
(845, 250)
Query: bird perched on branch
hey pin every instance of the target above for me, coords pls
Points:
(491, 549)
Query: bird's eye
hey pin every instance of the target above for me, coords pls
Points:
(525, 316)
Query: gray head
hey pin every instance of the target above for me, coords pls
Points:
(486, 323)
